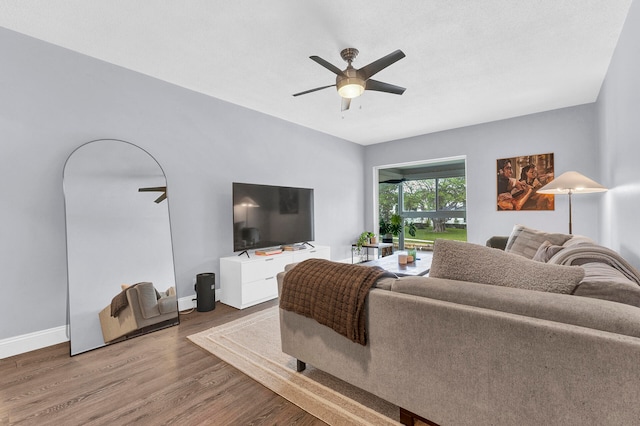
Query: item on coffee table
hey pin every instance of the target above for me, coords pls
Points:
(411, 255)
(402, 257)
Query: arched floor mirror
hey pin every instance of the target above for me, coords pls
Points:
(119, 253)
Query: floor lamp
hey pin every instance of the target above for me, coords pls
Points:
(571, 183)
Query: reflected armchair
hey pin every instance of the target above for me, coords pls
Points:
(145, 308)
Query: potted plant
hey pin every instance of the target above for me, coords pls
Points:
(393, 227)
(385, 231)
(363, 239)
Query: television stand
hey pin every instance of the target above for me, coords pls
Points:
(247, 282)
(309, 244)
(244, 252)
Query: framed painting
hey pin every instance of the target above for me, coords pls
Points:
(519, 178)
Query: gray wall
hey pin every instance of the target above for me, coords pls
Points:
(54, 100)
(570, 133)
(619, 117)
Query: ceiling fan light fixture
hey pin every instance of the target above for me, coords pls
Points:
(350, 87)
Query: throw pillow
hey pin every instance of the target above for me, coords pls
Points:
(461, 261)
(526, 241)
(546, 251)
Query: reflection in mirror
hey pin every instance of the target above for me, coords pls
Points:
(119, 254)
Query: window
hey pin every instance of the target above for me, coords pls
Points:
(433, 201)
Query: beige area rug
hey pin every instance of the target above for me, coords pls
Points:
(252, 345)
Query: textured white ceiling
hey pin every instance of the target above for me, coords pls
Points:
(468, 62)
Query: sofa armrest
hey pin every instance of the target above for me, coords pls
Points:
(116, 327)
(498, 241)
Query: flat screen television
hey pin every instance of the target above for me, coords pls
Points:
(271, 216)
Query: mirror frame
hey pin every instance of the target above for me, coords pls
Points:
(95, 208)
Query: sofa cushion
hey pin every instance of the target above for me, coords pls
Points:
(546, 251)
(167, 305)
(475, 263)
(601, 281)
(526, 241)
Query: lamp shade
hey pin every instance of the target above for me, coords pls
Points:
(571, 182)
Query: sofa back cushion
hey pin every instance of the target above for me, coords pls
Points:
(581, 311)
(525, 241)
(475, 263)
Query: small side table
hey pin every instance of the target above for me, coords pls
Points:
(384, 249)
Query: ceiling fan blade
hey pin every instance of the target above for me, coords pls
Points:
(161, 198)
(376, 66)
(313, 90)
(346, 103)
(162, 189)
(327, 65)
(153, 189)
(379, 86)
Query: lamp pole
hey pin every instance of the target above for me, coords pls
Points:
(570, 227)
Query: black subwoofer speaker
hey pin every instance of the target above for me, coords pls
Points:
(206, 292)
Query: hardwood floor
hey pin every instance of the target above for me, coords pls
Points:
(159, 378)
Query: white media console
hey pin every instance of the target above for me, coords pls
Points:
(247, 281)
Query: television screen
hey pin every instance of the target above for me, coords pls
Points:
(270, 216)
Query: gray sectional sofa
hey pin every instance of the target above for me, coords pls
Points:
(518, 352)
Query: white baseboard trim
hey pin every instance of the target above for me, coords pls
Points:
(189, 302)
(186, 303)
(41, 339)
(32, 341)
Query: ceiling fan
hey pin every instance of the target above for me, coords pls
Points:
(162, 189)
(352, 82)
(394, 181)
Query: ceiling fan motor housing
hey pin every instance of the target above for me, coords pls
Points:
(350, 86)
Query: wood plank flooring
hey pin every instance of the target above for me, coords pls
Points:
(155, 379)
